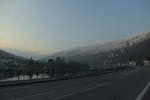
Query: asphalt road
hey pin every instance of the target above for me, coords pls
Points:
(124, 85)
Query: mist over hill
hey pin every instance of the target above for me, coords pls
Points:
(134, 48)
(5, 55)
(25, 54)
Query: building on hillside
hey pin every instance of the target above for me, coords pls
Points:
(146, 62)
(133, 63)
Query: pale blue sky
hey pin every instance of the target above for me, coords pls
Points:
(47, 26)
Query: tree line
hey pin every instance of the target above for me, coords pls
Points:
(53, 68)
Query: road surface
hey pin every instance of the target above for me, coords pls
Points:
(124, 85)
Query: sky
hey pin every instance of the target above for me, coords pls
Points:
(48, 26)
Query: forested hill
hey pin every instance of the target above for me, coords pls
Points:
(9, 56)
(132, 49)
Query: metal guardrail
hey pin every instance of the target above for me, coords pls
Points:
(36, 81)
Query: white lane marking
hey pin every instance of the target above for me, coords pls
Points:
(128, 73)
(15, 88)
(38, 94)
(75, 93)
(20, 87)
(140, 96)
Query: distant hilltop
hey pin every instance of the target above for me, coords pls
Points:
(120, 51)
(10, 57)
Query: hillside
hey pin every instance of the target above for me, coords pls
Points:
(9, 56)
(24, 53)
(132, 49)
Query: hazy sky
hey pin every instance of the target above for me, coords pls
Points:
(47, 26)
